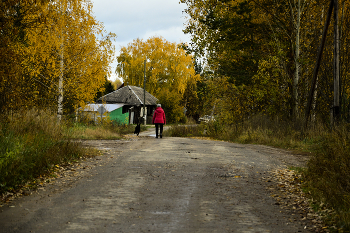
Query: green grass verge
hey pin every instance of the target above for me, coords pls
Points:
(31, 143)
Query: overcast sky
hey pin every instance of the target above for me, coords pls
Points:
(131, 19)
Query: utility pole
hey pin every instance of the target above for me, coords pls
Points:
(144, 96)
(336, 103)
(318, 62)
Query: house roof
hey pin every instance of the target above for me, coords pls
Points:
(108, 107)
(128, 95)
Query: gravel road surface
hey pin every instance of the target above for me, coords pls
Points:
(145, 184)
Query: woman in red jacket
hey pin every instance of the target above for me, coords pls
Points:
(159, 119)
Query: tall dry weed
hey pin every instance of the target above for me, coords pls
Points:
(35, 120)
(186, 131)
(107, 130)
(259, 129)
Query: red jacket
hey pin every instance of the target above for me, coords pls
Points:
(158, 116)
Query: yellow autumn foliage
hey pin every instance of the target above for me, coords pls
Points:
(168, 66)
(65, 52)
(169, 70)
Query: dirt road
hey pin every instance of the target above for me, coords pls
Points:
(160, 185)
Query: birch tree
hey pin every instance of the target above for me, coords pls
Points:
(54, 54)
(71, 55)
(296, 9)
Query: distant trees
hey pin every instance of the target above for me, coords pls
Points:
(169, 71)
(108, 88)
(117, 83)
(58, 53)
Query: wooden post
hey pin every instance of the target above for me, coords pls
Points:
(144, 96)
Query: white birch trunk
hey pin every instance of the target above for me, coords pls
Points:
(297, 64)
(314, 101)
(60, 86)
(61, 75)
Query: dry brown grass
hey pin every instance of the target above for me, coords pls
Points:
(108, 130)
(186, 131)
(93, 133)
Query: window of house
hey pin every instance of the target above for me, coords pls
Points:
(125, 109)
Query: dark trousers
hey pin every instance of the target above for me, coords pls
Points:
(160, 126)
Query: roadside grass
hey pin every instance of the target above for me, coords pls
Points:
(84, 131)
(328, 175)
(31, 143)
(326, 178)
(107, 130)
(185, 131)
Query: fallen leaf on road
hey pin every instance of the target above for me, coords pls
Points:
(285, 186)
